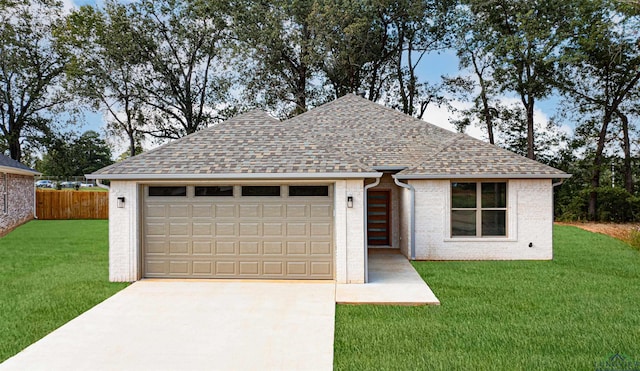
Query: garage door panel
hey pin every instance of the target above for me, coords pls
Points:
(249, 211)
(226, 268)
(320, 211)
(249, 248)
(179, 211)
(320, 268)
(156, 247)
(156, 211)
(156, 267)
(225, 211)
(273, 268)
(272, 248)
(179, 267)
(238, 237)
(202, 229)
(320, 248)
(297, 268)
(178, 229)
(296, 229)
(226, 230)
(296, 211)
(202, 211)
(225, 248)
(296, 248)
(320, 229)
(179, 248)
(249, 268)
(272, 211)
(203, 248)
(249, 229)
(156, 229)
(203, 268)
(272, 229)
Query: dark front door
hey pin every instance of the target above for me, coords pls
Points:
(378, 218)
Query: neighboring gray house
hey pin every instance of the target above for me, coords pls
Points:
(17, 194)
(305, 198)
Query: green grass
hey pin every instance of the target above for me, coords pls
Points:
(565, 314)
(50, 272)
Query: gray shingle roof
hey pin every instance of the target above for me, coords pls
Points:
(348, 135)
(11, 163)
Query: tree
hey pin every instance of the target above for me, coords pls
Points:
(602, 76)
(69, 155)
(279, 52)
(417, 28)
(354, 52)
(525, 39)
(106, 67)
(31, 68)
(472, 44)
(181, 45)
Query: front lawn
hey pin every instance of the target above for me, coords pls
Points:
(571, 313)
(50, 272)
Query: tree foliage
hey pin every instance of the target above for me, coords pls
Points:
(105, 67)
(70, 155)
(31, 69)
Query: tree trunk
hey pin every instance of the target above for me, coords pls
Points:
(626, 146)
(15, 150)
(597, 166)
(486, 112)
(530, 138)
(132, 145)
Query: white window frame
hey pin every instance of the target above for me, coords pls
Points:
(479, 209)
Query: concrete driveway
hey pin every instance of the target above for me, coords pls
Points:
(202, 325)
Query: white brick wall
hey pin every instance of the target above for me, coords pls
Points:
(529, 219)
(349, 222)
(124, 233)
(405, 222)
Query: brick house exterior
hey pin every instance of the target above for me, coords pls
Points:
(333, 183)
(17, 194)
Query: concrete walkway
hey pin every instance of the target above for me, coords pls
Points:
(219, 324)
(201, 325)
(392, 281)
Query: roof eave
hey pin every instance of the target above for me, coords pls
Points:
(235, 176)
(481, 176)
(15, 170)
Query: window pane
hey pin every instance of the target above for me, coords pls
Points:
(214, 191)
(494, 223)
(463, 195)
(308, 190)
(167, 191)
(494, 195)
(261, 191)
(463, 223)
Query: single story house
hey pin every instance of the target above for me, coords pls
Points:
(17, 194)
(306, 198)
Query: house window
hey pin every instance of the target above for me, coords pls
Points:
(478, 209)
(261, 190)
(296, 191)
(214, 191)
(167, 191)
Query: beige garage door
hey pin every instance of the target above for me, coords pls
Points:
(276, 232)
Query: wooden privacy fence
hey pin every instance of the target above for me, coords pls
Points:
(65, 205)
